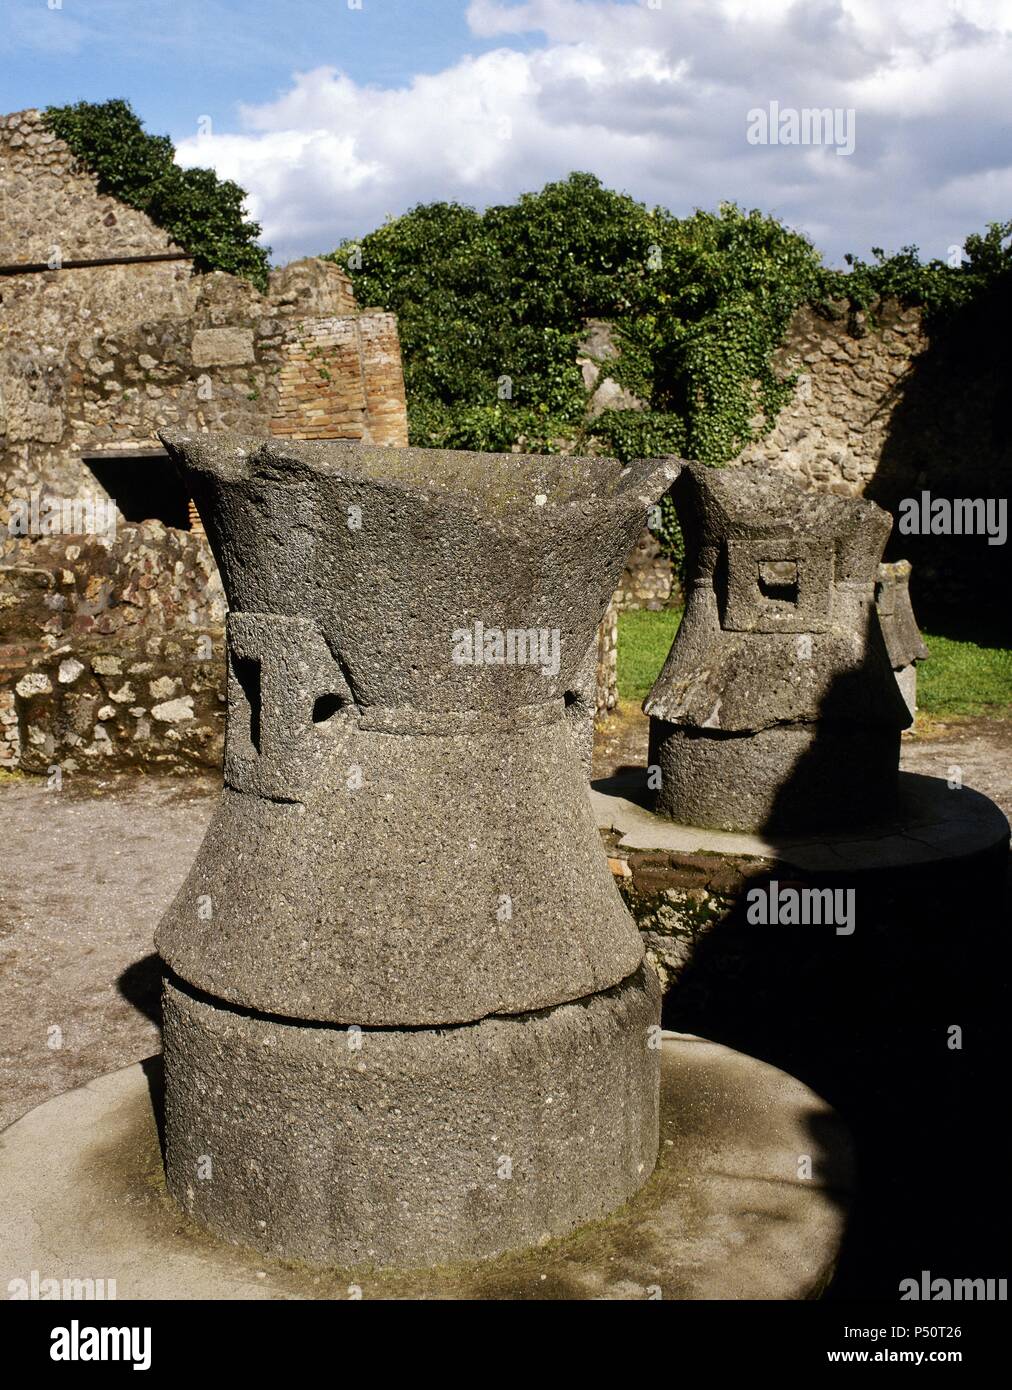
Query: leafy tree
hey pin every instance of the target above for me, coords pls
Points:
(491, 307)
(940, 288)
(202, 213)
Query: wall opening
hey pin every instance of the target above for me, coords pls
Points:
(145, 485)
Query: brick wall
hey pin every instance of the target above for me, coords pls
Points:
(341, 378)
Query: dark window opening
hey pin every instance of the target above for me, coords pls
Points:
(145, 485)
(778, 580)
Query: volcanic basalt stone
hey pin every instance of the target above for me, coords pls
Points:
(776, 708)
(404, 839)
(405, 846)
(410, 1147)
(903, 640)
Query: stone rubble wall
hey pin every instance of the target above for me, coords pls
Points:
(831, 436)
(103, 357)
(99, 359)
(49, 202)
(111, 652)
(649, 577)
(607, 662)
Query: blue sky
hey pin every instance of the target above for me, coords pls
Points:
(334, 115)
(172, 57)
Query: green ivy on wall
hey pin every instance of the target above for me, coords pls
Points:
(201, 212)
(940, 288)
(492, 306)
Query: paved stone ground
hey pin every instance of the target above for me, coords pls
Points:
(88, 870)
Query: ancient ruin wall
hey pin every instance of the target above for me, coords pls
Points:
(837, 428)
(341, 378)
(886, 409)
(97, 360)
(103, 357)
(49, 203)
(111, 651)
(830, 437)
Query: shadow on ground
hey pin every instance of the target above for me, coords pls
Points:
(865, 1021)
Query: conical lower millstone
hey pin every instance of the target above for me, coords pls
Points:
(406, 1015)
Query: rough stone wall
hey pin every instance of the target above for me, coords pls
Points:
(48, 203)
(111, 651)
(71, 382)
(99, 359)
(607, 662)
(649, 578)
(104, 357)
(885, 409)
(831, 436)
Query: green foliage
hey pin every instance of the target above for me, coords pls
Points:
(959, 678)
(638, 434)
(721, 292)
(644, 640)
(202, 213)
(963, 678)
(939, 288)
(492, 305)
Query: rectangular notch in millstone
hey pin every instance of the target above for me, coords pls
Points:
(776, 584)
(778, 581)
(247, 674)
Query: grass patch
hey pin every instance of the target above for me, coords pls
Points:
(644, 640)
(961, 679)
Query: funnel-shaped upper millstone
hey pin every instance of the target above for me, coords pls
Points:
(404, 835)
(770, 564)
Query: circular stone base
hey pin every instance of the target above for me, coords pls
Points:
(374, 1146)
(946, 829)
(789, 777)
(747, 1200)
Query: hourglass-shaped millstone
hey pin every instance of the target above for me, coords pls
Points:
(776, 708)
(406, 1016)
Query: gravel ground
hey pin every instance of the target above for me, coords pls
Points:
(88, 870)
(87, 873)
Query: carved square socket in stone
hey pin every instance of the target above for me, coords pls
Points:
(778, 585)
(285, 694)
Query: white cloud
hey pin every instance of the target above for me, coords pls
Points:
(654, 100)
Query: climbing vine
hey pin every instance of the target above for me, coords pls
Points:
(492, 307)
(941, 288)
(201, 212)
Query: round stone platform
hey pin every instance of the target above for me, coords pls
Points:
(936, 824)
(729, 1213)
